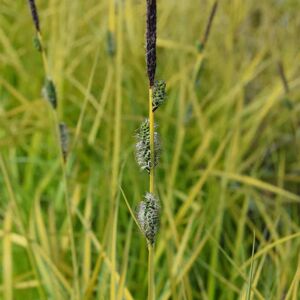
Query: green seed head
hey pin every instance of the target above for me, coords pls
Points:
(111, 44)
(37, 44)
(64, 139)
(148, 215)
(142, 148)
(159, 94)
(49, 92)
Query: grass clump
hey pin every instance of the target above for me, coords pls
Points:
(229, 166)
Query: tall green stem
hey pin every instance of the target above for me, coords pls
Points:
(151, 285)
(151, 127)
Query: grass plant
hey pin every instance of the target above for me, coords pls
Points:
(61, 136)
(148, 147)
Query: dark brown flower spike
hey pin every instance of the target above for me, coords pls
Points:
(34, 13)
(151, 41)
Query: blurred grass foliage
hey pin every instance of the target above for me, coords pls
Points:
(229, 167)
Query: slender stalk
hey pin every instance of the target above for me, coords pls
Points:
(111, 32)
(43, 54)
(68, 206)
(151, 128)
(112, 17)
(208, 25)
(151, 285)
(117, 62)
(283, 77)
(64, 177)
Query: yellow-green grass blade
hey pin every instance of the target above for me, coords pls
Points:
(7, 259)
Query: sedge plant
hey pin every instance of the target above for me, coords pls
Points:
(148, 147)
(60, 131)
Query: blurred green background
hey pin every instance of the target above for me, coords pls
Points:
(229, 175)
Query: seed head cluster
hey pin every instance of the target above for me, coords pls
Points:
(148, 215)
(49, 92)
(37, 44)
(142, 148)
(64, 139)
(159, 94)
